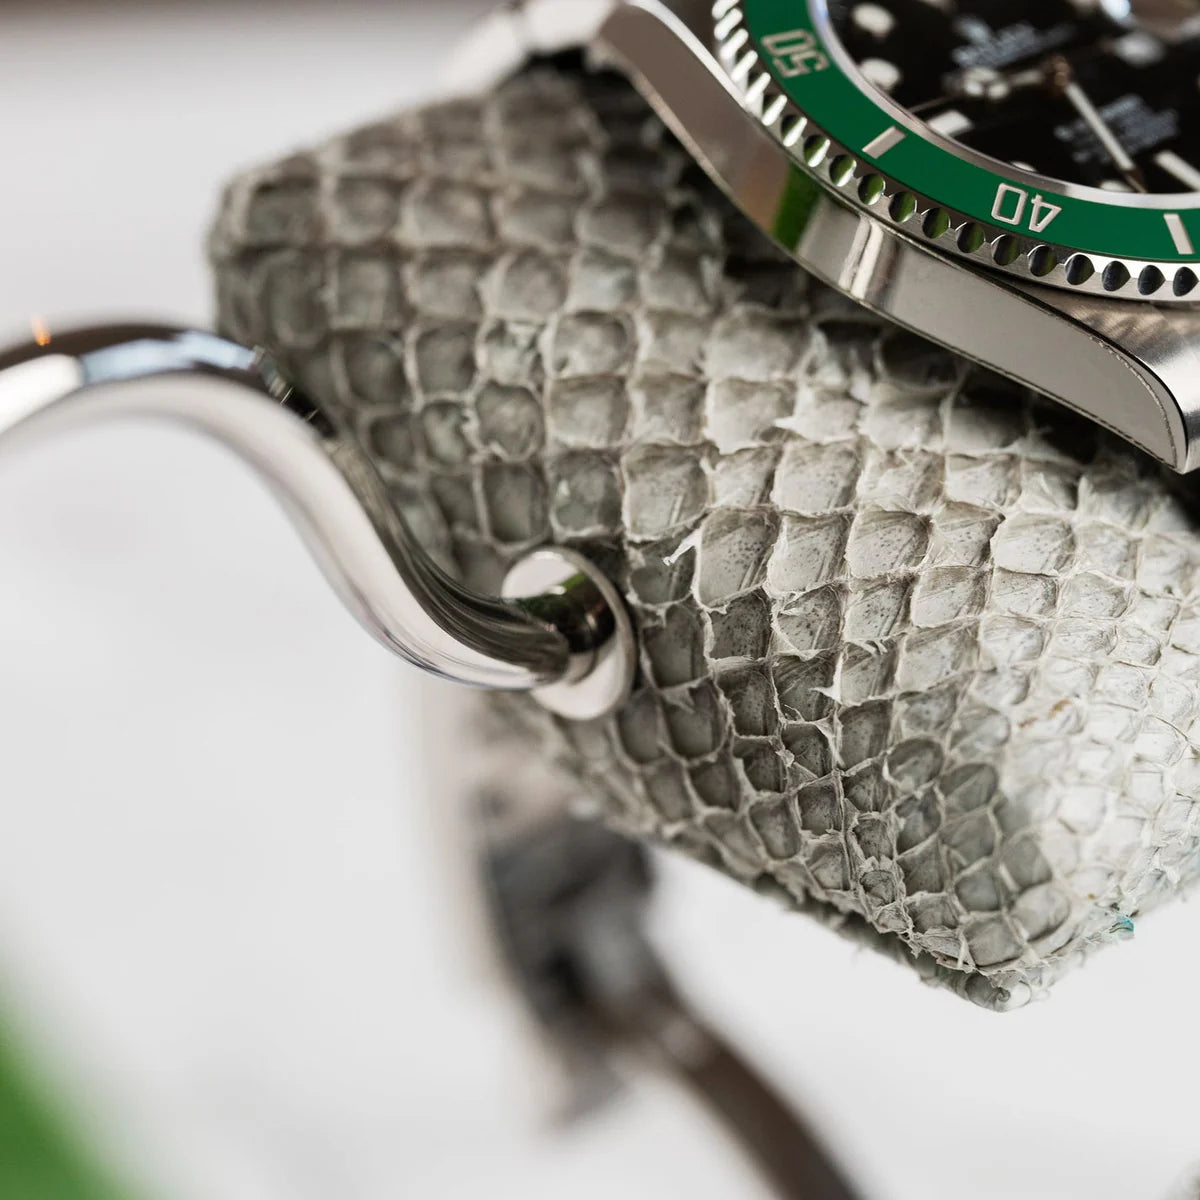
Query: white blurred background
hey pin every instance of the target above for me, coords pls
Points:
(225, 932)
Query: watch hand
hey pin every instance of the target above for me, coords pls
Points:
(980, 83)
(1061, 75)
(987, 83)
(1056, 73)
(1104, 134)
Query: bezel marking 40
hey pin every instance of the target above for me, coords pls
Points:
(793, 77)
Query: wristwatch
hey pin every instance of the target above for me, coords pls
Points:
(1016, 182)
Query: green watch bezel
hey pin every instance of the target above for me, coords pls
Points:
(793, 77)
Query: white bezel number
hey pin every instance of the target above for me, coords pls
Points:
(1011, 204)
(795, 52)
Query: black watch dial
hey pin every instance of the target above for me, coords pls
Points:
(1101, 93)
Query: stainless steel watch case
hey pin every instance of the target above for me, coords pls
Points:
(1130, 366)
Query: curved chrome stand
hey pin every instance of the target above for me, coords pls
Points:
(565, 897)
(560, 630)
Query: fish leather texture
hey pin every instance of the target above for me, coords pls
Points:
(919, 651)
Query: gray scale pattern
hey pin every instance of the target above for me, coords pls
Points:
(920, 653)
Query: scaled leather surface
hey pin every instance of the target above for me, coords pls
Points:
(919, 653)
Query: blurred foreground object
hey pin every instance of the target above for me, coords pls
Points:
(41, 1158)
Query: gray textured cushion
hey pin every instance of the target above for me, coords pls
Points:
(919, 653)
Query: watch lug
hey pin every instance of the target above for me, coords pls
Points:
(1160, 347)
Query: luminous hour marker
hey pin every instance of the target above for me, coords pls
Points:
(951, 123)
(874, 19)
(1180, 168)
(892, 136)
(1139, 49)
(1179, 233)
(883, 74)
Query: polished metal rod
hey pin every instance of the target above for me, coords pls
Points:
(325, 481)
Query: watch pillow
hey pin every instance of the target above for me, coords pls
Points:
(919, 650)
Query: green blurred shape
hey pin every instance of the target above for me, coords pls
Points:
(42, 1157)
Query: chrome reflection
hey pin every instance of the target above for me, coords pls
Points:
(558, 639)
